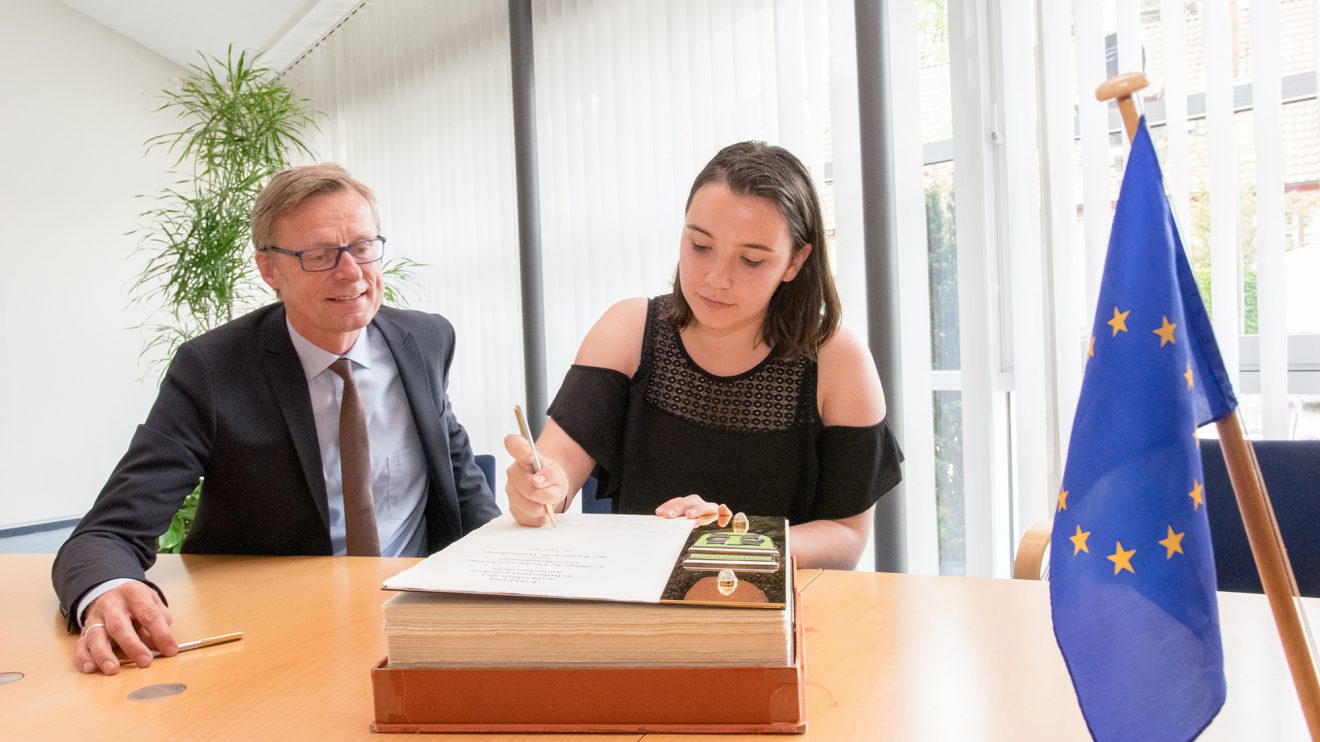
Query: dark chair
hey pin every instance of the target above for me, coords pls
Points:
(486, 463)
(592, 504)
(1291, 470)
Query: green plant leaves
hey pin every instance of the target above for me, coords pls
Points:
(240, 126)
(171, 541)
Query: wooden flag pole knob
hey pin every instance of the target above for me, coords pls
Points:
(1120, 89)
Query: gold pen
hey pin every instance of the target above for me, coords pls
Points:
(536, 458)
(209, 641)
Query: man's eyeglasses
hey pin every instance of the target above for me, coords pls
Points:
(317, 259)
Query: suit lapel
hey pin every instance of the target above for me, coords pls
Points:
(424, 401)
(289, 385)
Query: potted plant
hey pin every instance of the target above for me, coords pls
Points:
(240, 126)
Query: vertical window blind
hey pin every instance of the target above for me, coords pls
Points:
(417, 98)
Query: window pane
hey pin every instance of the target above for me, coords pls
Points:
(942, 244)
(933, 47)
(1196, 236)
(949, 483)
(1301, 206)
(1304, 414)
(1196, 232)
(1303, 417)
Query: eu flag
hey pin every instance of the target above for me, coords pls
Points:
(1132, 575)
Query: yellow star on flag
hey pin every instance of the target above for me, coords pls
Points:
(1119, 322)
(1188, 375)
(1172, 542)
(1090, 352)
(1166, 332)
(1121, 558)
(1063, 500)
(1079, 541)
(1195, 494)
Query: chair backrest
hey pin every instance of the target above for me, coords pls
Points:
(486, 462)
(592, 504)
(1030, 564)
(1291, 470)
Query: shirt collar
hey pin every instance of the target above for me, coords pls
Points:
(315, 360)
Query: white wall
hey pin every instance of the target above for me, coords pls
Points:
(77, 101)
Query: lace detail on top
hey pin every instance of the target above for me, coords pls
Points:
(775, 395)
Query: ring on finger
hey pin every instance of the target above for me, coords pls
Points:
(91, 626)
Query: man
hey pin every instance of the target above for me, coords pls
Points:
(300, 451)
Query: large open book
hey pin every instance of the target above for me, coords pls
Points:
(598, 591)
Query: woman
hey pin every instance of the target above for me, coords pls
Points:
(737, 388)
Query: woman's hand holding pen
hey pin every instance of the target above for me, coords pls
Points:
(531, 492)
(534, 494)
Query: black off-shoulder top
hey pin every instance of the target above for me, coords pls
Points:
(753, 441)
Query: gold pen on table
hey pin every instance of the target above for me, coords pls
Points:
(536, 458)
(209, 641)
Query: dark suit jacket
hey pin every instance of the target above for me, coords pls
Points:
(234, 408)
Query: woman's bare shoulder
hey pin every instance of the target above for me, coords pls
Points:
(848, 387)
(615, 341)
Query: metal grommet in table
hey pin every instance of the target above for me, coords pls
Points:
(157, 690)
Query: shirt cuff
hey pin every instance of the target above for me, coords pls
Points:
(97, 592)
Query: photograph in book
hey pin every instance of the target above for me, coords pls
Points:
(737, 564)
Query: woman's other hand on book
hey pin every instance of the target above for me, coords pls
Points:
(531, 491)
(696, 508)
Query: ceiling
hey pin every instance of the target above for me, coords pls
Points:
(179, 29)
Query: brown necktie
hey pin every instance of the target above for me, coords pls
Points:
(355, 468)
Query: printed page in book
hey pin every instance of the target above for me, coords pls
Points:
(623, 558)
(589, 556)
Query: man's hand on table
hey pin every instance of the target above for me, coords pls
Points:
(132, 617)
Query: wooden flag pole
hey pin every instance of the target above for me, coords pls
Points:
(1120, 89)
(1267, 548)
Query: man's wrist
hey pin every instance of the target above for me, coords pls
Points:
(90, 596)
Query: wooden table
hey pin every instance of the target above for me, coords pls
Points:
(888, 657)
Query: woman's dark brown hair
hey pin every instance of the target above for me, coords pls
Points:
(804, 313)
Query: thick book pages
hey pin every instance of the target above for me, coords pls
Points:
(439, 630)
(728, 700)
(599, 591)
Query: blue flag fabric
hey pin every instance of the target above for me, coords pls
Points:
(1132, 576)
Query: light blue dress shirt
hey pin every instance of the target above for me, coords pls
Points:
(398, 467)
